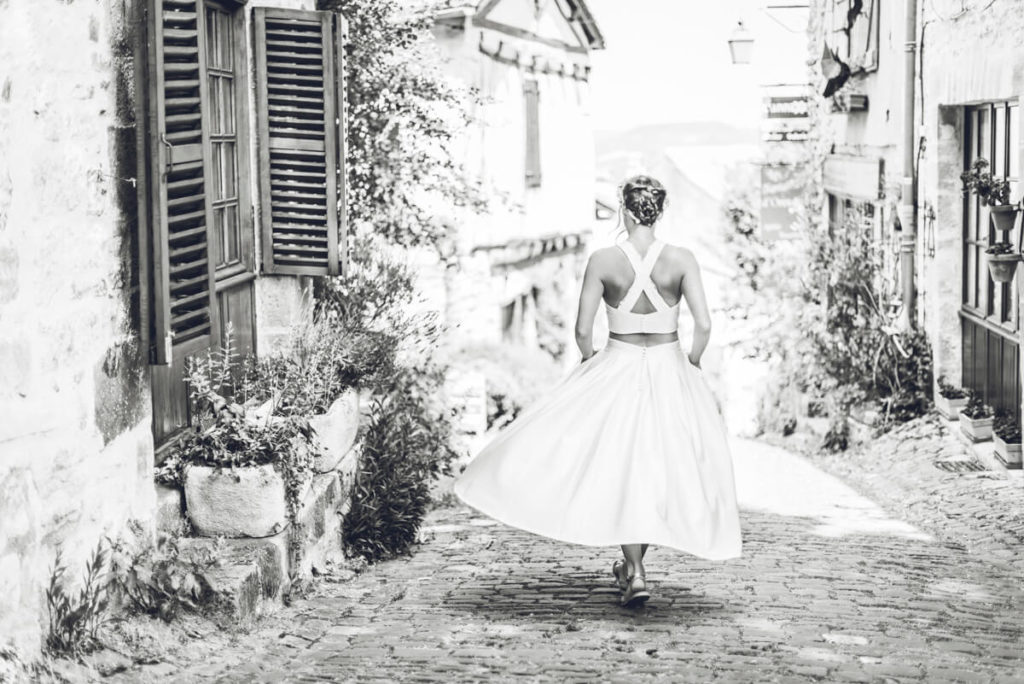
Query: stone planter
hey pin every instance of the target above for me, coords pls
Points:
(949, 408)
(1003, 266)
(235, 502)
(1003, 216)
(1008, 454)
(336, 431)
(976, 429)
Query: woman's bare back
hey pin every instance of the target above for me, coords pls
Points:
(668, 275)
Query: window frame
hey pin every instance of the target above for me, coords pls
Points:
(977, 302)
(245, 268)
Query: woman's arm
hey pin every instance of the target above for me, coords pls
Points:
(590, 299)
(693, 292)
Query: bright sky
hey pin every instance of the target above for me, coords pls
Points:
(668, 60)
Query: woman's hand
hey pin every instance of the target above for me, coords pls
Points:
(694, 363)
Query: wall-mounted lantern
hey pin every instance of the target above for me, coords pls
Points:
(741, 44)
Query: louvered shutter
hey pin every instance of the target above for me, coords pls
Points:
(300, 166)
(531, 92)
(179, 209)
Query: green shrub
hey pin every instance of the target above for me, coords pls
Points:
(160, 581)
(406, 447)
(74, 619)
(837, 437)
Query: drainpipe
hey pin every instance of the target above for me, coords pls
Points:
(908, 201)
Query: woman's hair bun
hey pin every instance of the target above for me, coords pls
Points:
(644, 198)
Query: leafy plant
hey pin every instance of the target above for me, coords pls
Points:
(950, 391)
(160, 581)
(976, 408)
(403, 113)
(992, 190)
(226, 435)
(74, 619)
(1007, 426)
(406, 447)
(837, 437)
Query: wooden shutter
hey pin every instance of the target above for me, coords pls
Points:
(531, 92)
(178, 210)
(300, 167)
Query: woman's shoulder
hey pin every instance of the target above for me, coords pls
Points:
(680, 256)
(604, 256)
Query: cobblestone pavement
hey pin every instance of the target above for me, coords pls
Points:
(830, 588)
(926, 473)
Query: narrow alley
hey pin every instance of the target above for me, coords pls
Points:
(830, 588)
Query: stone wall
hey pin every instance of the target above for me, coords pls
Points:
(75, 442)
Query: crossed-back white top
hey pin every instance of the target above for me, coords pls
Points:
(664, 319)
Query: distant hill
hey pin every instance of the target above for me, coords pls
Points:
(659, 137)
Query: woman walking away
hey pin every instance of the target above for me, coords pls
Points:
(629, 449)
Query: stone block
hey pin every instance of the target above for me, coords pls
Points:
(316, 535)
(249, 578)
(170, 508)
(336, 431)
(235, 502)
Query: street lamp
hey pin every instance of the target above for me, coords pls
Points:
(741, 44)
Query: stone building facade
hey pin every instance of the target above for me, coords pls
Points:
(967, 85)
(532, 146)
(142, 189)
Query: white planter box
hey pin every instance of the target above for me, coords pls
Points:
(336, 431)
(979, 430)
(235, 502)
(1008, 454)
(949, 408)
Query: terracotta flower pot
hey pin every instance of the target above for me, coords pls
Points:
(1003, 216)
(1003, 266)
(949, 408)
(1009, 454)
(976, 429)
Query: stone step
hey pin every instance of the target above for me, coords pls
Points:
(250, 577)
(254, 574)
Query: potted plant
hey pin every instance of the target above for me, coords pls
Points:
(244, 471)
(1007, 440)
(976, 418)
(950, 399)
(993, 191)
(1002, 261)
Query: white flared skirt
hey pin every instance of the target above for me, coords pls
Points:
(629, 448)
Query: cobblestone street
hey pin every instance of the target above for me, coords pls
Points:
(830, 588)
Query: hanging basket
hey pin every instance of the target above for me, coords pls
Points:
(1004, 216)
(1003, 266)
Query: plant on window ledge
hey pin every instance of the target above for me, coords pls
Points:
(993, 191)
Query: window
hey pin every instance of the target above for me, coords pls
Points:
(531, 92)
(200, 175)
(199, 168)
(229, 187)
(989, 310)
